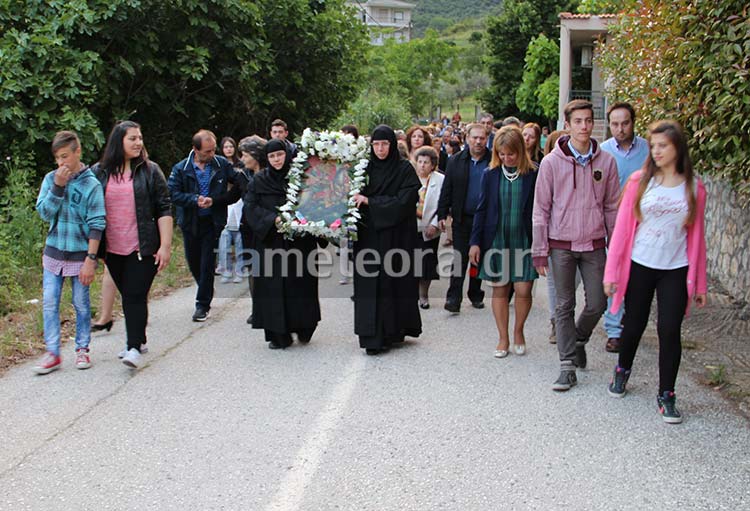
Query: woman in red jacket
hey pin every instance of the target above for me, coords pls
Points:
(658, 245)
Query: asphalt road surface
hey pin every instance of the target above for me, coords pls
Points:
(215, 420)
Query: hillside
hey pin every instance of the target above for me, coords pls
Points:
(440, 14)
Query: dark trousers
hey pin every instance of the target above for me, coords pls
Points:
(461, 238)
(133, 278)
(566, 264)
(200, 252)
(671, 299)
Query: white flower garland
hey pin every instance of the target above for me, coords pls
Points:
(326, 145)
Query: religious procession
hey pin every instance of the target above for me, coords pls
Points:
(507, 202)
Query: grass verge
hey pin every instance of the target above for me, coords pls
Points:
(22, 330)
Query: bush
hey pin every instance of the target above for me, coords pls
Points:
(371, 109)
(688, 60)
(22, 233)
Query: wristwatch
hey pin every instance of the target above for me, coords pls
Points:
(91, 256)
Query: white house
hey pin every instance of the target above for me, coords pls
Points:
(579, 34)
(386, 18)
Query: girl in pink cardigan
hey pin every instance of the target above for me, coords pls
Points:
(658, 245)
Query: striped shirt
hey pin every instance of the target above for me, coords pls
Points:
(122, 224)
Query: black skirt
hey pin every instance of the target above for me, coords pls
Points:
(427, 258)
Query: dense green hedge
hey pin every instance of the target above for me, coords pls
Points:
(688, 60)
(175, 67)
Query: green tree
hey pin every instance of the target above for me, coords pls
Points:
(374, 108)
(229, 65)
(540, 83)
(508, 36)
(409, 71)
(688, 60)
(602, 6)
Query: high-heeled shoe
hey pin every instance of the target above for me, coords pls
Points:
(96, 327)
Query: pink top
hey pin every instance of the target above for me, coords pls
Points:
(122, 225)
(573, 204)
(617, 269)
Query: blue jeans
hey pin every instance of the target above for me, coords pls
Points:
(613, 322)
(227, 239)
(52, 287)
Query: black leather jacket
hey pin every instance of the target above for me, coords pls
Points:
(152, 202)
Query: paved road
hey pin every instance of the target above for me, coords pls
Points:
(217, 421)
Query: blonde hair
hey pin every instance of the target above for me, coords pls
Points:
(511, 138)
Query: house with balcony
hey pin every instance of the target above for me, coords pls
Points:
(386, 19)
(580, 77)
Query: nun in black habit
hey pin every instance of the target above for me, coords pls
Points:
(285, 296)
(385, 302)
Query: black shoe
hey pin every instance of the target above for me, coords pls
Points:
(372, 351)
(96, 327)
(612, 345)
(617, 384)
(249, 320)
(668, 408)
(565, 381)
(453, 308)
(273, 346)
(580, 355)
(424, 305)
(304, 339)
(478, 304)
(200, 314)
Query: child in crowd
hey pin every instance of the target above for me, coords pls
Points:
(72, 201)
(231, 235)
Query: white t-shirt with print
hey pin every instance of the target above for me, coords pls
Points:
(661, 238)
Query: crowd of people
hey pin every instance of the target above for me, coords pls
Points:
(510, 200)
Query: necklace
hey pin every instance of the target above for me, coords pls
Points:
(510, 176)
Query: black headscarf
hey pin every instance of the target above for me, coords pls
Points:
(269, 180)
(383, 172)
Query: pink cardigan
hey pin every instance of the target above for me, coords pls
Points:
(617, 269)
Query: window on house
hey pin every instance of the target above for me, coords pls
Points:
(398, 16)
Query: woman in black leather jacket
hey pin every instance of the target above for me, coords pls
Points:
(138, 241)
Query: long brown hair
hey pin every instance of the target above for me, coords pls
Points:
(511, 138)
(673, 131)
(535, 153)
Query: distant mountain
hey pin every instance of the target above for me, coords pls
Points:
(440, 14)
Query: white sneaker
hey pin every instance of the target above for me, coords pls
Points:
(237, 279)
(226, 279)
(132, 359)
(124, 352)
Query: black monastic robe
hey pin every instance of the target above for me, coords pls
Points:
(386, 306)
(281, 304)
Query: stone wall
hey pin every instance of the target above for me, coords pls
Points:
(727, 239)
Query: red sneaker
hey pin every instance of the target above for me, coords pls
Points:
(48, 363)
(83, 361)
